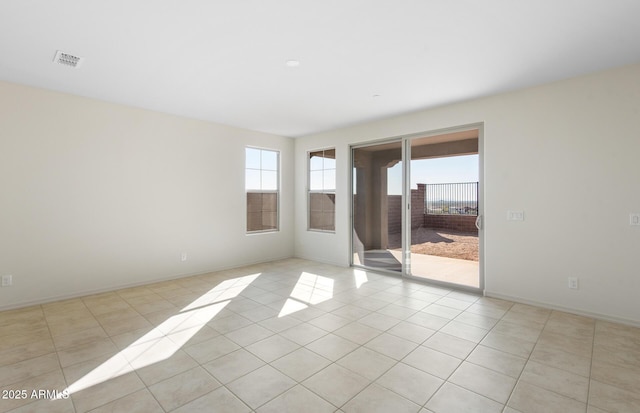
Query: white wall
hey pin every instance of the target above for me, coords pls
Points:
(95, 196)
(568, 155)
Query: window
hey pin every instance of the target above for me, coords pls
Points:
(322, 190)
(261, 184)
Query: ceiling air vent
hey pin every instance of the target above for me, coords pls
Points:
(67, 59)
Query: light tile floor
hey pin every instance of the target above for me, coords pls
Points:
(298, 336)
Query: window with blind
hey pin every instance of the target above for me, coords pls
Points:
(322, 190)
(262, 177)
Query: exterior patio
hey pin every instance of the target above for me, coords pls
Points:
(450, 270)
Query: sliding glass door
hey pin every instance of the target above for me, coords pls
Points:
(416, 205)
(377, 205)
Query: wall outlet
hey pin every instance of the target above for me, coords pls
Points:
(183, 256)
(634, 219)
(7, 280)
(515, 215)
(573, 283)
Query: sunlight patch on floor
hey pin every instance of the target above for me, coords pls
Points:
(309, 289)
(360, 277)
(164, 340)
(291, 306)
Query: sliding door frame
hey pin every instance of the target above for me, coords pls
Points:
(406, 203)
(352, 147)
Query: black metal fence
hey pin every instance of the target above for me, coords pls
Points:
(451, 199)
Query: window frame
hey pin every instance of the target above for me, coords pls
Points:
(322, 191)
(262, 191)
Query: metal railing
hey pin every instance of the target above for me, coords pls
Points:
(451, 199)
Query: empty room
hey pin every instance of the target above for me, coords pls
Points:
(302, 206)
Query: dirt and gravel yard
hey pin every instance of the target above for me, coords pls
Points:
(440, 242)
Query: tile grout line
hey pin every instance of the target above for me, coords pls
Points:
(527, 361)
(369, 295)
(445, 381)
(593, 348)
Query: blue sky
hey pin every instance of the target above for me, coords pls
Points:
(261, 169)
(435, 171)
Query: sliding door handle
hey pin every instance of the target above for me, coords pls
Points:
(479, 222)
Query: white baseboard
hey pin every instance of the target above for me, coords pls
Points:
(45, 300)
(315, 259)
(597, 316)
(84, 293)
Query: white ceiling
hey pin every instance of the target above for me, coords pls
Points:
(224, 60)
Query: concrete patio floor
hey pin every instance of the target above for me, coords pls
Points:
(450, 270)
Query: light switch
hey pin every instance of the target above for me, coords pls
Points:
(515, 215)
(634, 219)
